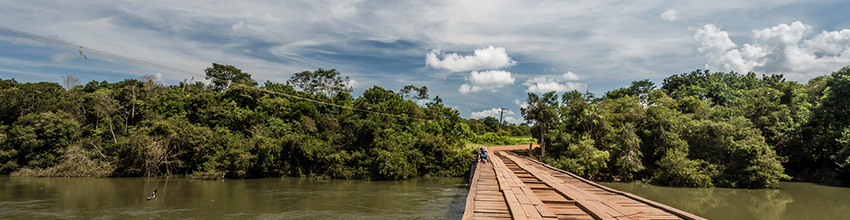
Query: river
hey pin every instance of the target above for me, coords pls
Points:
(789, 200)
(419, 198)
(269, 198)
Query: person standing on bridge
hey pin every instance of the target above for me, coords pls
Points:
(483, 154)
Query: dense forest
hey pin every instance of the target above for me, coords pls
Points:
(698, 129)
(701, 129)
(308, 126)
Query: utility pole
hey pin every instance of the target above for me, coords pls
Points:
(501, 112)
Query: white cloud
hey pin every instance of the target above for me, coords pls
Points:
(520, 103)
(493, 112)
(562, 83)
(486, 80)
(570, 76)
(778, 49)
(157, 77)
(61, 58)
(670, 15)
(514, 120)
(482, 59)
(545, 87)
(712, 40)
(507, 116)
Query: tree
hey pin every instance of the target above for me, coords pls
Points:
(327, 82)
(41, 138)
(829, 121)
(223, 76)
(642, 88)
(70, 82)
(415, 93)
(638, 89)
(541, 111)
(491, 123)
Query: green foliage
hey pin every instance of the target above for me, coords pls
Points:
(700, 129)
(499, 139)
(737, 150)
(581, 158)
(640, 89)
(703, 129)
(327, 82)
(542, 111)
(223, 76)
(675, 169)
(231, 129)
(41, 138)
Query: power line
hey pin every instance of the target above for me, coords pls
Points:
(81, 49)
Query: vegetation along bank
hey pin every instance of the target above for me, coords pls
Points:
(699, 129)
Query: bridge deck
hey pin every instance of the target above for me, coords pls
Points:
(515, 187)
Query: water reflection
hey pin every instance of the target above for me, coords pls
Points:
(787, 201)
(424, 198)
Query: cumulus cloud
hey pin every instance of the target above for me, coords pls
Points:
(561, 83)
(482, 59)
(570, 76)
(61, 58)
(486, 80)
(521, 104)
(507, 116)
(493, 112)
(779, 49)
(712, 40)
(670, 15)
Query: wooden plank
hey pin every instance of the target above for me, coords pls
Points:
(470, 198)
(586, 200)
(520, 188)
(663, 207)
(517, 211)
(478, 215)
(533, 207)
(542, 208)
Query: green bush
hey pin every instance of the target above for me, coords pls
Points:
(675, 169)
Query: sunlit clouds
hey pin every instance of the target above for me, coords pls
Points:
(485, 58)
(490, 80)
(790, 49)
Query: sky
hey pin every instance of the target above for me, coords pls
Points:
(477, 56)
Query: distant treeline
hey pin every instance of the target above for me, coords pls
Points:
(231, 128)
(702, 129)
(699, 129)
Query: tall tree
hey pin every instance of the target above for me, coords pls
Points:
(413, 92)
(223, 76)
(70, 82)
(541, 110)
(328, 82)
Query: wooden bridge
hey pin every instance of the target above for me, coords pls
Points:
(515, 187)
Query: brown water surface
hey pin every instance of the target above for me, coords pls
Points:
(789, 200)
(271, 198)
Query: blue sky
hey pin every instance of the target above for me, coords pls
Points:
(476, 55)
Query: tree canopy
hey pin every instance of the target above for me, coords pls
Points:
(704, 129)
(229, 129)
(699, 129)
